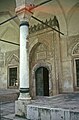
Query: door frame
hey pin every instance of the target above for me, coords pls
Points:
(76, 88)
(45, 81)
(33, 81)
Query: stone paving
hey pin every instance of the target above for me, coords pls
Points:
(7, 104)
(65, 101)
(60, 107)
(7, 107)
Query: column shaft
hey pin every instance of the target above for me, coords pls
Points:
(24, 63)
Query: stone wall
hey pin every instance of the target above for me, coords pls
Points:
(44, 50)
(47, 47)
(8, 59)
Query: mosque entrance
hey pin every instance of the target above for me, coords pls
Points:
(42, 81)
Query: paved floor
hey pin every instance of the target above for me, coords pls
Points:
(7, 111)
(7, 104)
(65, 101)
(8, 97)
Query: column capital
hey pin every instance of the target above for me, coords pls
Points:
(22, 9)
(24, 23)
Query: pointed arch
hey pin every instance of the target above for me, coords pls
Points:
(33, 82)
(34, 48)
(72, 10)
(12, 59)
(75, 50)
(73, 20)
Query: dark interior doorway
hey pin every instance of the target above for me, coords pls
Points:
(42, 81)
(77, 72)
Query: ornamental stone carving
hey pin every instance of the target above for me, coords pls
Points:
(72, 42)
(40, 26)
(76, 49)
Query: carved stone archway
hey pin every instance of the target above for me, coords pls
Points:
(75, 50)
(33, 85)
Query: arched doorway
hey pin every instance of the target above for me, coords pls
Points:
(42, 81)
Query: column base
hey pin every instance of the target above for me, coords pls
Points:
(24, 96)
(21, 105)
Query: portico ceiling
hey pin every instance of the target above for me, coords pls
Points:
(66, 11)
(60, 8)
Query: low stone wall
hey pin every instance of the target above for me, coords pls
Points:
(45, 113)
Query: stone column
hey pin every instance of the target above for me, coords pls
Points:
(24, 61)
(24, 16)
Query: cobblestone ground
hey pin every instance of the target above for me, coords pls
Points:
(7, 104)
(6, 109)
(66, 101)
